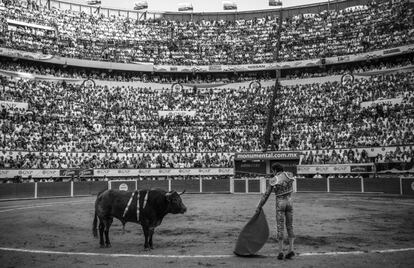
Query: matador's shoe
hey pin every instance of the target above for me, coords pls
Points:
(290, 255)
(280, 256)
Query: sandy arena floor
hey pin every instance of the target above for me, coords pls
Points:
(353, 231)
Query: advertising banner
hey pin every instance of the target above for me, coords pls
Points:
(75, 172)
(393, 101)
(25, 173)
(12, 105)
(250, 167)
(31, 25)
(395, 167)
(267, 155)
(205, 85)
(176, 113)
(214, 68)
(335, 169)
(362, 169)
(163, 172)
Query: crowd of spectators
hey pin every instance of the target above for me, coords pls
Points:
(330, 115)
(405, 155)
(121, 39)
(53, 160)
(73, 126)
(126, 119)
(336, 157)
(351, 156)
(209, 123)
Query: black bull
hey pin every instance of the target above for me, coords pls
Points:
(111, 204)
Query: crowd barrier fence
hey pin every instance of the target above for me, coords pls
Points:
(400, 186)
(397, 186)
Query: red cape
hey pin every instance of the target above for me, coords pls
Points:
(253, 236)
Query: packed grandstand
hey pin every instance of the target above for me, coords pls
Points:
(84, 90)
(72, 34)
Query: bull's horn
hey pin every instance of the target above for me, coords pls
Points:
(182, 192)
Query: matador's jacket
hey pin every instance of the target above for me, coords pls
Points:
(282, 185)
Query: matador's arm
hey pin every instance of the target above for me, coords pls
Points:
(265, 196)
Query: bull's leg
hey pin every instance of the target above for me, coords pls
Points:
(151, 233)
(146, 234)
(108, 223)
(101, 233)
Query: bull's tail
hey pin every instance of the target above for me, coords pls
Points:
(95, 225)
(95, 217)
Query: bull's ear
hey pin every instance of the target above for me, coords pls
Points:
(168, 196)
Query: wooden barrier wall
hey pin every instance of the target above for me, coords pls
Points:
(71, 189)
(401, 186)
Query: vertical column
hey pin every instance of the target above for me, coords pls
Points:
(261, 185)
(247, 184)
(35, 190)
(362, 185)
(328, 185)
(232, 185)
(201, 183)
(109, 185)
(169, 183)
(401, 188)
(71, 188)
(295, 186)
(136, 184)
(264, 186)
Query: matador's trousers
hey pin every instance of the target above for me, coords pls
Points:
(284, 213)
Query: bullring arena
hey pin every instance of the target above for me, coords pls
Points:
(335, 229)
(206, 97)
